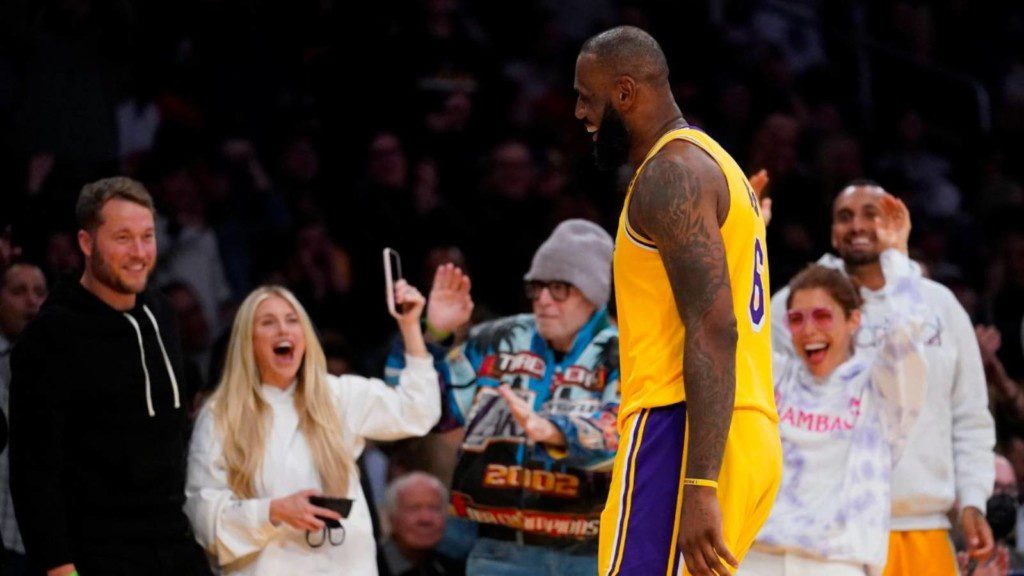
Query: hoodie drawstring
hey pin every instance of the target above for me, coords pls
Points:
(142, 356)
(167, 360)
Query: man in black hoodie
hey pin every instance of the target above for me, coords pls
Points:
(99, 428)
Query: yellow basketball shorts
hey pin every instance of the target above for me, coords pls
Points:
(639, 526)
(921, 553)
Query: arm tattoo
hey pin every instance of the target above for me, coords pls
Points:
(675, 205)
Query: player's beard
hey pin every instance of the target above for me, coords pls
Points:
(611, 149)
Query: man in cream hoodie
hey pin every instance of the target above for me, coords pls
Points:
(948, 459)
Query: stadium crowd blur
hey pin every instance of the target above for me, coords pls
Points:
(289, 142)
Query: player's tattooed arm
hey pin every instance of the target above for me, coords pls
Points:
(677, 204)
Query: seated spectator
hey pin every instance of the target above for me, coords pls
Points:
(416, 509)
(280, 430)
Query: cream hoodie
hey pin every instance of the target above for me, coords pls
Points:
(238, 534)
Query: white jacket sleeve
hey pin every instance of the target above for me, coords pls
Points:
(377, 411)
(973, 428)
(229, 528)
(900, 372)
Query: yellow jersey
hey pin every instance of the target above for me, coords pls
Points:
(650, 330)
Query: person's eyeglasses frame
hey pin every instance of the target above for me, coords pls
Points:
(821, 316)
(558, 289)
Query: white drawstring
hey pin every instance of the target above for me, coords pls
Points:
(167, 360)
(142, 355)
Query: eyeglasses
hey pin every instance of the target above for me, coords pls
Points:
(326, 535)
(822, 318)
(559, 290)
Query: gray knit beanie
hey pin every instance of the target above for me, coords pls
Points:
(578, 252)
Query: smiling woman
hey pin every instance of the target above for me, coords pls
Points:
(280, 429)
(844, 416)
(278, 341)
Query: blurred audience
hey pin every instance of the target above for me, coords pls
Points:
(22, 292)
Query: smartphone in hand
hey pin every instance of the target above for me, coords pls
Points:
(392, 274)
(343, 506)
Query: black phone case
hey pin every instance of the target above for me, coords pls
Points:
(342, 506)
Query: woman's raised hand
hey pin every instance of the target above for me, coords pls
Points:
(410, 302)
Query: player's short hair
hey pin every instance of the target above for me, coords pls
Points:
(832, 281)
(96, 194)
(629, 51)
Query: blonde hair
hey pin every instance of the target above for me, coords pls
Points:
(243, 417)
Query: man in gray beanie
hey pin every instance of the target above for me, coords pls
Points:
(538, 396)
(578, 252)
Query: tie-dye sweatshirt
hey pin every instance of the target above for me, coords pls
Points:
(841, 436)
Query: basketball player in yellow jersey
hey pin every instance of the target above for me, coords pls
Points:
(699, 459)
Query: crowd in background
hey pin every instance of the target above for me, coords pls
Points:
(290, 142)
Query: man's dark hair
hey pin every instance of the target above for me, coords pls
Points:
(856, 183)
(96, 194)
(629, 51)
(862, 183)
(5, 270)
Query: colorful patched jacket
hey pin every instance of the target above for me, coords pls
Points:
(503, 479)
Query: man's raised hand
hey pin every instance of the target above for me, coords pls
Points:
(450, 304)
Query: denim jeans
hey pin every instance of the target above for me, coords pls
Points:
(505, 558)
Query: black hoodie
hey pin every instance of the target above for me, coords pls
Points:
(98, 435)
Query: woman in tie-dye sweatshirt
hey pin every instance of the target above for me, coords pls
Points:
(844, 417)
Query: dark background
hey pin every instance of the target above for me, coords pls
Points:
(289, 141)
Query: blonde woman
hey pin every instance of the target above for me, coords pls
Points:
(280, 429)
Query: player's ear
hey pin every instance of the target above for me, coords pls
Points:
(625, 93)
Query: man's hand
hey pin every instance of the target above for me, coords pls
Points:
(999, 565)
(61, 570)
(537, 428)
(759, 182)
(450, 305)
(977, 533)
(989, 341)
(894, 224)
(700, 533)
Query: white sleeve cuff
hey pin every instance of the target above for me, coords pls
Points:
(973, 498)
(263, 513)
(419, 363)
